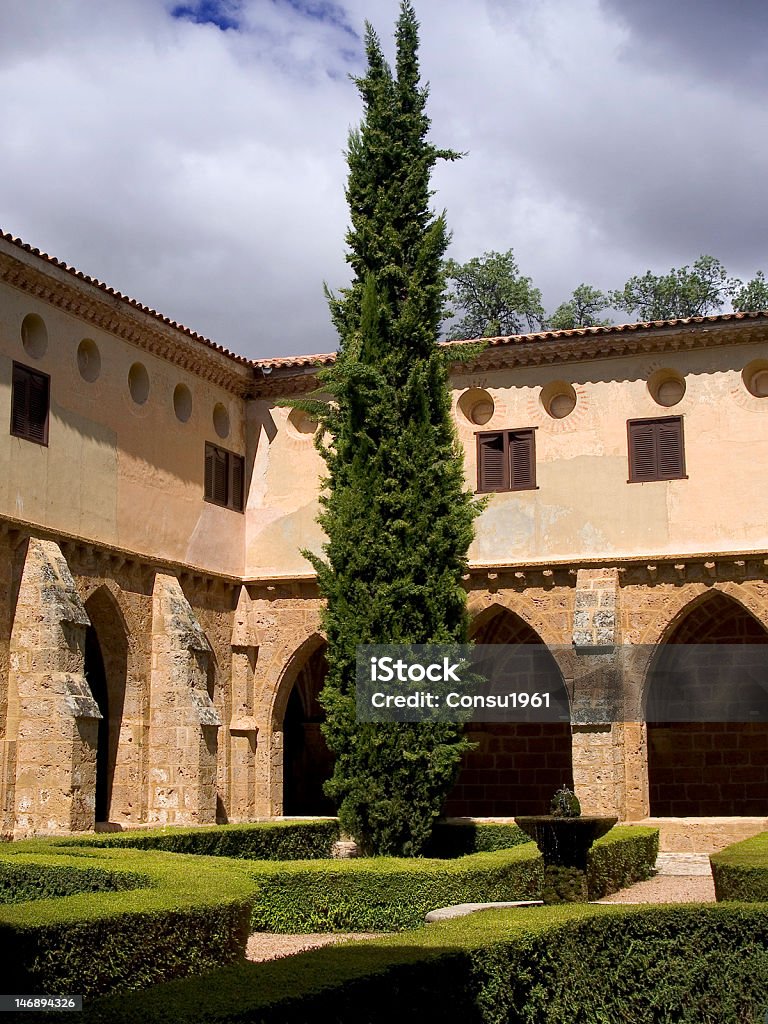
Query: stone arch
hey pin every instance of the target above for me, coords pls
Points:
(108, 667)
(516, 766)
(718, 765)
(300, 761)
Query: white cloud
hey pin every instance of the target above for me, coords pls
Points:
(201, 170)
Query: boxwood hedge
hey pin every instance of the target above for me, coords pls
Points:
(588, 964)
(740, 871)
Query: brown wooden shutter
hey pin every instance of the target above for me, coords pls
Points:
(491, 464)
(522, 459)
(220, 475)
(642, 450)
(236, 477)
(209, 462)
(30, 404)
(670, 452)
(656, 450)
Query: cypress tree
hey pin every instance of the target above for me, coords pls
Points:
(397, 517)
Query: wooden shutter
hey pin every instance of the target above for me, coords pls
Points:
(237, 466)
(492, 467)
(642, 451)
(670, 452)
(522, 460)
(656, 450)
(220, 475)
(209, 461)
(30, 404)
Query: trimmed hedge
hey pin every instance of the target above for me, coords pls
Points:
(457, 839)
(627, 854)
(587, 964)
(31, 880)
(390, 894)
(267, 840)
(387, 893)
(190, 916)
(740, 871)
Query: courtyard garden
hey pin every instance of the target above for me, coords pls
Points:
(153, 926)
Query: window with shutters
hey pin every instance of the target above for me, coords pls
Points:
(224, 477)
(656, 449)
(506, 460)
(30, 404)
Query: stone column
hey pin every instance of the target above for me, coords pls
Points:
(52, 716)
(243, 729)
(183, 721)
(597, 711)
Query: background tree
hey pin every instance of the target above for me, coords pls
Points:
(494, 298)
(583, 309)
(685, 292)
(394, 509)
(752, 296)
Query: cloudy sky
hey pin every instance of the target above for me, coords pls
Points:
(192, 154)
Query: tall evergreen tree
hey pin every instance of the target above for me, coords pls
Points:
(397, 517)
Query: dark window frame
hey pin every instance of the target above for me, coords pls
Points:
(24, 377)
(529, 483)
(656, 424)
(230, 483)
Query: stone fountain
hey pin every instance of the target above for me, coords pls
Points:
(564, 837)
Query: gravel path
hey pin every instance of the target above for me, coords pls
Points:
(267, 946)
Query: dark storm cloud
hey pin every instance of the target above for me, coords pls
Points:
(715, 39)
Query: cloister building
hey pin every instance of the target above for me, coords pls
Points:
(161, 653)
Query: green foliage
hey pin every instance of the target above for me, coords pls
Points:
(564, 885)
(565, 804)
(686, 292)
(740, 871)
(387, 893)
(494, 298)
(627, 854)
(457, 839)
(588, 964)
(752, 296)
(395, 512)
(26, 880)
(192, 914)
(267, 840)
(583, 309)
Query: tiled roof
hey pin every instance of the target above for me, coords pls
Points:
(124, 298)
(327, 358)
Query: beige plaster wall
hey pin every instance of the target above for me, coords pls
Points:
(115, 472)
(583, 506)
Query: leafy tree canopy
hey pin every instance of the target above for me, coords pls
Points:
(494, 297)
(689, 291)
(583, 309)
(752, 296)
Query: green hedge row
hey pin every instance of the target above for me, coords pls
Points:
(389, 894)
(457, 839)
(189, 916)
(740, 871)
(267, 840)
(550, 965)
(30, 880)
(386, 893)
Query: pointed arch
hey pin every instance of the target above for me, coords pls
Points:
(711, 767)
(515, 766)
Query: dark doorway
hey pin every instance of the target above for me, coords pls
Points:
(307, 762)
(97, 680)
(516, 766)
(707, 768)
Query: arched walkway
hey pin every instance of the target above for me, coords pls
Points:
(307, 762)
(515, 767)
(712, 767)
(106, 669)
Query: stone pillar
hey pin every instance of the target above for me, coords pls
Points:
(243, 729)
(52, 716)
(183, 721)
(597, 711)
